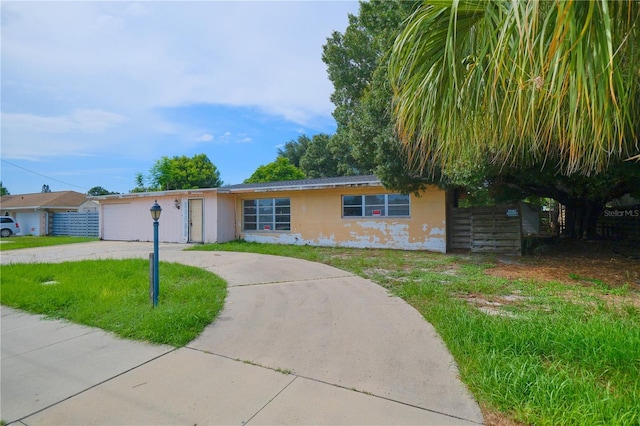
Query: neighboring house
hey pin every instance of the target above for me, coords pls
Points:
(34, 212)
(353, 211)
(88, 206)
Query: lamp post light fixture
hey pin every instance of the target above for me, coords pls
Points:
(155, 215)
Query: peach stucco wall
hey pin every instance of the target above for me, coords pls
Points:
(316, 219)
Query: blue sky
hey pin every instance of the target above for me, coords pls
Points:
(94, 92)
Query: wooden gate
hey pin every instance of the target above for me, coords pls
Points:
(495, 229)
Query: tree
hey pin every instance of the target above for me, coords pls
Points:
(583, 196)
(542, 91)
(519, 83)
(140, 180)
(365, 141)
(319, 160)
(3, 190)
(45, 189)
(98, 190)
(294, 150)
(279, 170)
(183, 173)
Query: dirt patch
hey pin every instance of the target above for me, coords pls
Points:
(585, 262)
(493, 418)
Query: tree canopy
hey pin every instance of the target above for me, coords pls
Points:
(98, 190)
(357, 62)
(279, 170)
(294, 150)
(180, 172)
(3, 190)
(519, 83)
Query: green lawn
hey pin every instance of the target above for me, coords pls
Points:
(14, 243)
(114, 295)
(542, 353)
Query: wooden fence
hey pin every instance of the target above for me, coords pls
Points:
(76, 224)
(495, 229)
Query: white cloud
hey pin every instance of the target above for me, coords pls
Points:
(84, 121)
(204, 138)
(175, 53)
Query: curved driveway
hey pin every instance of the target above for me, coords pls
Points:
(351, 353)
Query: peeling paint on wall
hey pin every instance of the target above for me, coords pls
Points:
(273, 238)
(437, 231)
(316, 219)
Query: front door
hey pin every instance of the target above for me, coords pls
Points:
(195, 221)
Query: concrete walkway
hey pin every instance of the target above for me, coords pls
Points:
(296, 343)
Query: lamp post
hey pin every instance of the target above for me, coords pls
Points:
(155, 215)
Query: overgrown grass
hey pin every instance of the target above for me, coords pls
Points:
(538, 352)
(14, 243)
(114, 295)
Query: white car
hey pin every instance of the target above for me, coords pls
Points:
(9, 226)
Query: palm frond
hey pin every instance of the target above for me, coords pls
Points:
(519, 83)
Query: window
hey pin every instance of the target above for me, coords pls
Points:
(375, 205)
(267, 214)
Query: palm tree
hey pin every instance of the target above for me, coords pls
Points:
(519, 83)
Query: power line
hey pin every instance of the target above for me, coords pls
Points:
(40, 174)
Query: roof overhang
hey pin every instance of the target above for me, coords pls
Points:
(172, 193)
(40, 208)
(280, 188)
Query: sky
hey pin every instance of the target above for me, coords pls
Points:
(94, 92)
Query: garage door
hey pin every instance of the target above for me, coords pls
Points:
(29, 223)
(117, 224)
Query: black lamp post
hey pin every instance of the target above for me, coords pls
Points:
(155, 215)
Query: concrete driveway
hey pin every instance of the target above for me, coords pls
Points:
(296, 343)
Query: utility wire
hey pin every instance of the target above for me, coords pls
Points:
(40, 174)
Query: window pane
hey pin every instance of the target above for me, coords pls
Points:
(250, 226)
(398, 199)
(372, 200)
(352, 200)
(283, 210)
(266, 227)
(283, 218)
(250, 218)
(352, 211)
(374, 211)
(398, 210)
(265, 202)
(282, 202)
(265, 218)
(249, 203)
(249, 210)
(283, 227)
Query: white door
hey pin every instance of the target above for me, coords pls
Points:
(195, 221)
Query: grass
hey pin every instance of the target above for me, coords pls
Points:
(114, 295)
(544, 353)
(15, 243)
